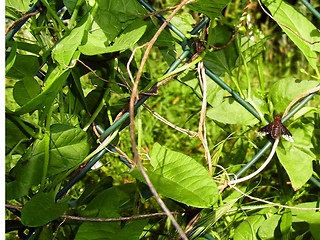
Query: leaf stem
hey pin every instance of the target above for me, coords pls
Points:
(75, 13)
(46, 149)
(97, 111)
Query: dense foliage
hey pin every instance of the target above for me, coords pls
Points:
(68, 146)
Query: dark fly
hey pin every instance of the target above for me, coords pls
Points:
(276, 129)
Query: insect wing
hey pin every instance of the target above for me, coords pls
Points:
(265, 130)
(286, 134)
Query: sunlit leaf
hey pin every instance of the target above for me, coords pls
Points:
(181, 178)
(298, 23)
(231, 112)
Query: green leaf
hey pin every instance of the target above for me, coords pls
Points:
(54, 82)
(180, 177)
(108, 203)
(24, 66)
(128, 37)
(311, 217)
(223, 60)
(13, 136)
(24, 91)
(110, 19)
(42, 209)
(22, 5)
(248, 229)
(289, 16)
(297, 157)
(210, 8)
(250, 49)
(11, 58)
(286, 222)
(68, 147)
(268, 229)
(92, 191)
(285, 90)
(231, 112)
(110, 231)
(66, 47)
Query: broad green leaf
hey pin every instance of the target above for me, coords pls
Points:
(22, 5)
(109, 202)
(311, 217)
(285, 90)
(66, 47)
(210, 8)
(223, 60)
(54, 82)
(250, 49)
(297, 157)
(247, 230)
(289, 16)
(286, 222)
(42, 209)
(13, 136)
(231, 112)
(181, 178)
(128, 37)
(11, 58)
(111, 18)
(103, 31)
(269, 230)
(24, 91)
(110, 231)
(24, 66)
(68, 147)
(93, 190)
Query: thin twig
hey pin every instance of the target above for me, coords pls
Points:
(289, 28)
(116, 219)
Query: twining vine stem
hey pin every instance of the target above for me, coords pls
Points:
(133, 100)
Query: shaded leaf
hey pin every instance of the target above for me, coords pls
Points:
(54, 82)
(128, 37)
(111, 18)
(11, 58)
(210, 8)
(110, 231)
(24, 91)
(24, 66)
(68, 147)
(42, 209)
